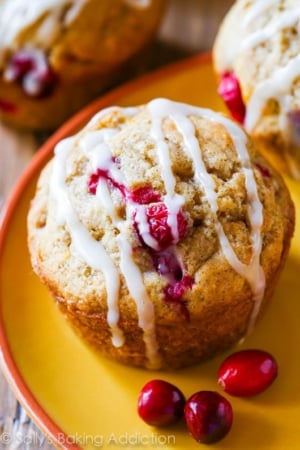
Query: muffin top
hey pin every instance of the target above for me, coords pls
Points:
(259, 42)
(156, 210)
(42, 22)
(71, 37)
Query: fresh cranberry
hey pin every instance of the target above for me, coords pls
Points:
(160, 403)
(31, 69)
(229, 89)
(247, 373)
(208, 416)
(264, 170)
(157, 218)
(144, 195)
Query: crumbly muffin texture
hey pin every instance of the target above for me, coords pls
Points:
(56, 55)
(161, 233)
(256, 57)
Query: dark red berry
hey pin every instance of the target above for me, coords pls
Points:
(40, 83)
(19, 65)
(247, 373)
(104, 174)
(177, 289)
(229, 89)
(145, 195)
(264, 170)
(167, 264)
(7, 107)
(160, 403)
(208, 416)
(174, 292)
(32, 70)
(157, 217)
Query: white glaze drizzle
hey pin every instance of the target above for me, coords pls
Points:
(97, 149)
(278, 85)
(253, 271)
(285, 20)
(172, 200)
(95, 145)
(230, 46)
(254, 11)
(88, 248)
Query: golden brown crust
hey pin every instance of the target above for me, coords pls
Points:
(255, 58)
(220, 302)
(88, 55)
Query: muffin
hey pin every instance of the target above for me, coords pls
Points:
(57, 55)
(256, 57)
(161, 232)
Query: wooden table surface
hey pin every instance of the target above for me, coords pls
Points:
(189, 27)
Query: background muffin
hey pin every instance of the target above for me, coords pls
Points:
(56, 55)
(161, 232)
(256, 56)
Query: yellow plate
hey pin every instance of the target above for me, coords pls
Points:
(82, 400)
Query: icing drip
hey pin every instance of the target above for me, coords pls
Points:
(90, 250)
(253, 271)
(278, 86)
(96, 147)
(251, 14)
(257, 37)
(256, 10)
(172, 200)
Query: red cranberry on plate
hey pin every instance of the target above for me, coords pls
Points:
(247, 373)
(208, 416)
(160, 403)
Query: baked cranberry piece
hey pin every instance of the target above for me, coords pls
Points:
(229, 89)
(7, 107)
(31, 69)
(144, 195)
(104, 174)
(157, 216)
(263, 170)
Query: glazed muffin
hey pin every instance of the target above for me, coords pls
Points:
(56, 55)
(161, 233)
(256, 57)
